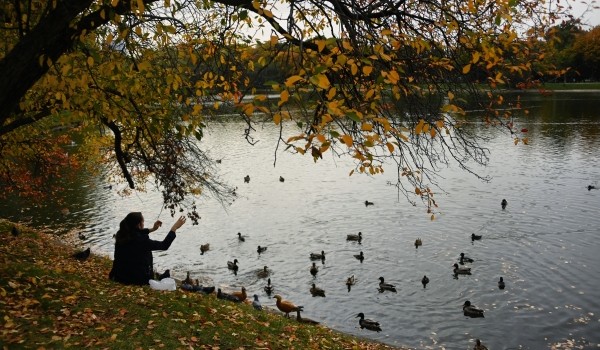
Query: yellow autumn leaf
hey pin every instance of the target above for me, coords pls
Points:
(432, 217)
(432, 132)
(320, 80)
(366, 127)
(277, 118)
(390, 147)
(248, 109)
(142, 66)
(450, 96)
(274, 40)
(331, 94)
(419, 127)
(466, 69)
(354, 69)
(393, 76)
(476, 57)
(367, 70)
(114, 3)
(90, 61)
(321, 138)
(320, 45)
(167, 3)
(347, 139)
(417, 190)
(292, 80)
(140, 5)
(284, 97)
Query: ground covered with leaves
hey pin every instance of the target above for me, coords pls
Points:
(49, 300)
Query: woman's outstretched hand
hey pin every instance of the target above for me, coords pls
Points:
(156, 226)
(178, 223)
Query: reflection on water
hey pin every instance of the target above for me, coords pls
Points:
(544, 244)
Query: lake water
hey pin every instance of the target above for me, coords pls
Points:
(545, 244)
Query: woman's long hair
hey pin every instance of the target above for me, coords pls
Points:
(129, 226)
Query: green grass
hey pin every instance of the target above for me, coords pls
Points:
(571, 86)
(49, 300)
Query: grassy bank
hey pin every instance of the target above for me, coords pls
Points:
(571, 86)
(50, 300)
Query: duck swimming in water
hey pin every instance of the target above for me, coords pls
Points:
(317, 256)
(367, 203)
(386, 286)
(232, 265)
(475, 237)
(424, 281)
(504, 203)
(460, 270)
(471, 311)
(316, 291)
(501, 284)
(264, 272)
(418, 243)
(368, 323)
(465, 259)
(360, 256)
(357, 237)
(261, 249)
(314, 269)
(269, 288)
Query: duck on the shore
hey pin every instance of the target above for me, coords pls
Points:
(81, 236)
(383, 286)
(352, 237)
(226, 296)
(304, 320)
(501, 284)
(317, 256)
(314, 269)
(286, 306)
(368, 323)
(360, 256)
(424, 281)
(316, 291)
(471, 311)
(188, 279)
(82, 255)
(268, 288)
(241, 294)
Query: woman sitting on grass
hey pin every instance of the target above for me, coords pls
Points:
(133, 249)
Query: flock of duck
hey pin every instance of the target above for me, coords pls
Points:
(288, 307)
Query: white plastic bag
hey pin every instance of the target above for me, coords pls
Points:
(164, 284)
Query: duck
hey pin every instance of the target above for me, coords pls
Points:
(304, 320)
(219, 161)
(225, 296)
(461, 270)
(350, 282)
(204, 248)
(187, 279)
(261, 249)
(256, 303)
(281, 179)
(247, 179)
(501, 284)
(475, 237)
(464, 259)
(386, 286)
(241, 238)
(81, 236)
(479, 346)
(317, 256)
(264, 272)
(269, 288)
(504, 203)
(232, 265)
(360, 256)
(591, 187)
(357, 237)
(368, 323)
(160, 276)
(314, 269)
(471, 311)
(286, 306)
(202, 289)
(367, 203)
(241, 294)
(424, 281)
(316, 291)
(82, 255)
(418, 243)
